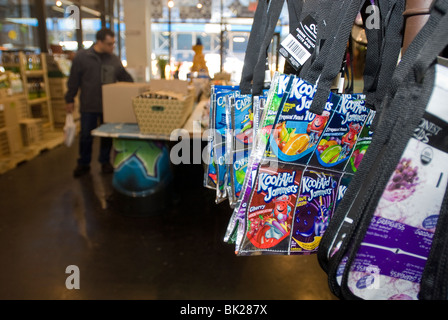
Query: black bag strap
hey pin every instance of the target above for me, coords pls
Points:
(265, 20)
(367, 185)
(373, 54)
(331, 14)
(326, 13)
(335, 54)
(274, 10)
(390, 39)
(255, 38)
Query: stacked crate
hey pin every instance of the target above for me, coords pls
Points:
(13, 108)
(58, 88)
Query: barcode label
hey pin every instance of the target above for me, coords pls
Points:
(295, 49)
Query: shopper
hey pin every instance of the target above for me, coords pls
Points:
(91, 68)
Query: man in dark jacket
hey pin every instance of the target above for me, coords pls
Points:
(91, 69)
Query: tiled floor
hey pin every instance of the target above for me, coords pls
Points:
(50, 220)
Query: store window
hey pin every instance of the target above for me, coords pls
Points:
(184, 41)
(61, 29)
(18, 24)
(222, 26)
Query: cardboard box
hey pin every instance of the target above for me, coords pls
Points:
(15, 139)
(117, 101)
(176, 86)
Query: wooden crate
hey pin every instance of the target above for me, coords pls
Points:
(31, 130)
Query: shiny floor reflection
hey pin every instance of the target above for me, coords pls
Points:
(49, 221)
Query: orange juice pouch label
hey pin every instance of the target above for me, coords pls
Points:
(337, 141)
(271, 208)
(297, 130)
(315, 206)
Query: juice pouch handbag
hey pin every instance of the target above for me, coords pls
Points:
(286, 155)
(396, 201)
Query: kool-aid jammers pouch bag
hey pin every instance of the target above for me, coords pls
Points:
(339, 137)
(297, 131)
(314, 209)
(271, 208)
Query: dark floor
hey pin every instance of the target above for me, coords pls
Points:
(50, 220)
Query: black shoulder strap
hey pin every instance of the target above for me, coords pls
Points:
(255, 38)
(265, 19)
(335, 55)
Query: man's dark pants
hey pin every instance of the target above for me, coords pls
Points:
(90, 121)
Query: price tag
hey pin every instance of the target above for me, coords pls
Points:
(297, 48)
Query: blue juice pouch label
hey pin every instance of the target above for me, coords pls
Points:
(219, 156)
(297, 130)
(211, 174)
(242, 122)
(237, 174)
(239, 137)
(314, 209)
(362, 144)
(210, 168)
(271, 208)
(339, 137)
(220, 129)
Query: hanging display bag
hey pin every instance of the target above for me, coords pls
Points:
(295, 136)
(393, 207)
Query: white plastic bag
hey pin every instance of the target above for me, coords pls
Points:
(69, 130)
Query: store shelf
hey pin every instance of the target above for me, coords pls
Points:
(40, 72)
(26, 119)
(34, 73)
(37, 101)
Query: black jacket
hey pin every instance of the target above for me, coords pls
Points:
(89, 71)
